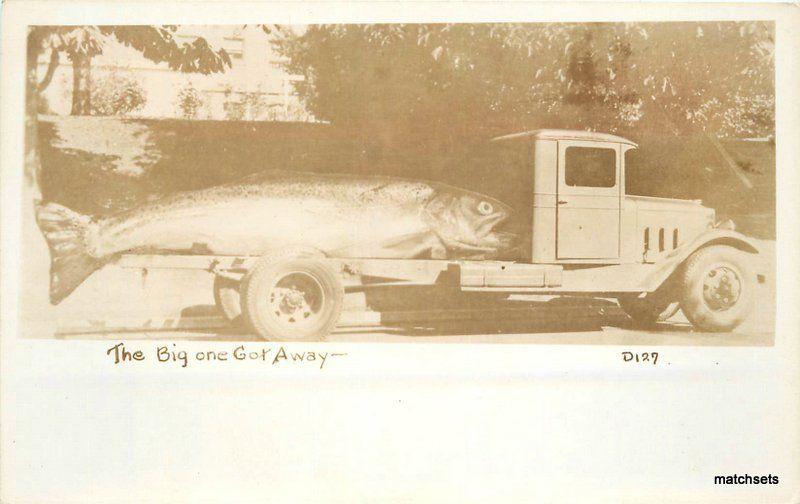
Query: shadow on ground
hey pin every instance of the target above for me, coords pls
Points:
(559, 315)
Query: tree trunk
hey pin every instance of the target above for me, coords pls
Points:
(81, 84)
(32, 164)
(52, 66)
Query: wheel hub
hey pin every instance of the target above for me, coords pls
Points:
(721, 288)
(296, 299)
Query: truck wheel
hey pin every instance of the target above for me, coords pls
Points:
(647, 311)
(718, 288)
(291, 296)
(226, 296)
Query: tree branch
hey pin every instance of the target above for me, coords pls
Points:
(51, 70)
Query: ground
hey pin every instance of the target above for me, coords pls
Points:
(116, 304)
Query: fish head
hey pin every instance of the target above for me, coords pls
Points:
(470, 223)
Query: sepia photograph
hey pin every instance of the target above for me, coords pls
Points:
(592, 183)
(399, 252)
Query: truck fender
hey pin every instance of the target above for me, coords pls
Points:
(672, 261)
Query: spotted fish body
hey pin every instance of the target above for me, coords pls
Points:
(340, 215)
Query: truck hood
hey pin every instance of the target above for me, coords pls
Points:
(663, 224)
(692, 208)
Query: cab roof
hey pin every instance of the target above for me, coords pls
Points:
(557, 134)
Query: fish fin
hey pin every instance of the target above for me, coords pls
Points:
(66, 235)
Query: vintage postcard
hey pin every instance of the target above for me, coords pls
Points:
(243, 192)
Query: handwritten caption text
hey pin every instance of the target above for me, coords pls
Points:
(172, 354)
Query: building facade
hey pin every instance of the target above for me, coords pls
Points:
(256, 87)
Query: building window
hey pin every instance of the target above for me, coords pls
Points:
(590, 167)
(234, 46)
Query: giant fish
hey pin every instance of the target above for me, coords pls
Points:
(344, 216)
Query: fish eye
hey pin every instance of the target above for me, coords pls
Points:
(485, 208)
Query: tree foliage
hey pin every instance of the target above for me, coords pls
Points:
(117, 94)
(156, 43)
(189, 101)
(417, 82)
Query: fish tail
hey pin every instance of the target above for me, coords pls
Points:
(67, 235)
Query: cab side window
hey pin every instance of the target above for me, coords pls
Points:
(590, 167)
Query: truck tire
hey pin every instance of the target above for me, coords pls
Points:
(647, 311)
(718, 288)
(292, 295)
(227, 299)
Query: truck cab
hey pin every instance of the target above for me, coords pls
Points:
(581, 213)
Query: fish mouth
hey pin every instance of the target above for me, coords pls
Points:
(506, 238)
(488, 225)
(500, 242)
(462, 246)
